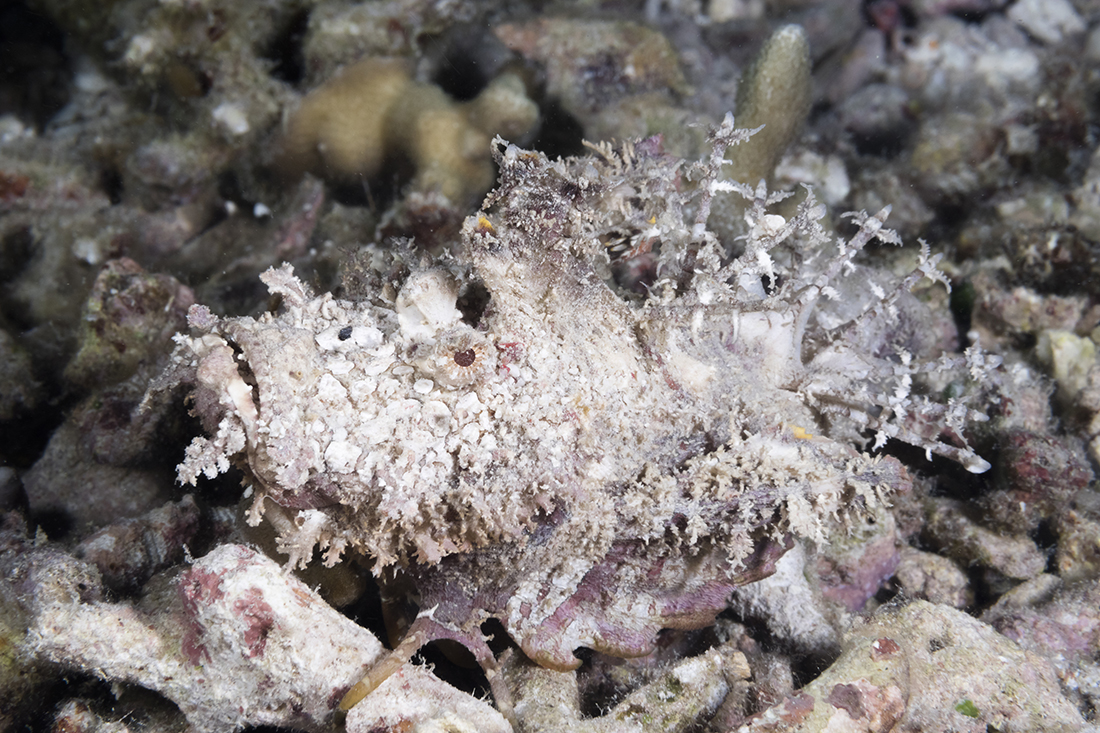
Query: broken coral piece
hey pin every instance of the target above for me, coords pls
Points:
(30, 575)
(352, 125)
(234, 641)
(1059, 621)
(584, 464)
(931, 577)
(955, 532)
(126, 321)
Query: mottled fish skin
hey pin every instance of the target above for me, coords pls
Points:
(584, 463)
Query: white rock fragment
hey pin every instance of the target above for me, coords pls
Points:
(232, 118)
(89, 250)
(826, 174)
(237, 642)
(139, 50)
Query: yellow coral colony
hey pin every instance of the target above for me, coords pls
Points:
(349, 126)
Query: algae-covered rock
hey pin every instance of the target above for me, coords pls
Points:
(30, 576)
(1059, 621)
(341, 32)
(234, 641)
(69, 482)
(1069, 358)
(1078, 553)
(100, 464)
(1038, 477)
(128, 553)
(951, 528)
(934, 578)
(590, 64)
(926, 667)
(20, 391)
(128, 319)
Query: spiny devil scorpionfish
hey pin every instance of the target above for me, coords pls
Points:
(515, 435)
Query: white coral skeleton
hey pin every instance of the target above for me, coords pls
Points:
(585, 464)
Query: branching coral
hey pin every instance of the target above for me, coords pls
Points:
(774, 92)
(591, 465)
(347, 127)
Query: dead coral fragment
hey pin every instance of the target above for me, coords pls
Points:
(234, 641)
(127, 553)
(674, 702)
(127, 319)
(619, 79)
(346, 128)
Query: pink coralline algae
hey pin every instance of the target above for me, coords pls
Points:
(234, 641)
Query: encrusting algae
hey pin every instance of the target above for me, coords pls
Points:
(585, 464)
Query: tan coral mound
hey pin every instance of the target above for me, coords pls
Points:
(346, 128)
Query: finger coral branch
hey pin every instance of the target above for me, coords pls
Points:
(348, 127)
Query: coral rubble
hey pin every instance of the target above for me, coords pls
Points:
(664, 449)
(233, 641)
(547, 700)
(927, 667)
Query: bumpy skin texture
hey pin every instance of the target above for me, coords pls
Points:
(586, 465)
